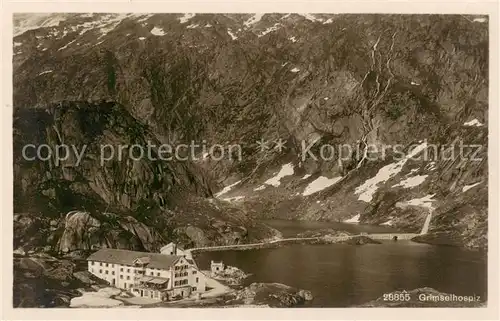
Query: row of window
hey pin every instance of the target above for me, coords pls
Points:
(181, 274)
(181, 267)
(105, 271)
(181, 282)
(101, 264)
(121, 276)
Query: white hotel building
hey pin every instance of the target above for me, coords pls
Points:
(153, 275)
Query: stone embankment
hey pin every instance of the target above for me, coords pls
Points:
(301, 240)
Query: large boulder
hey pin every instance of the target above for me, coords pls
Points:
(273, 294)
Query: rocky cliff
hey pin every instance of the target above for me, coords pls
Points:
(412, 84)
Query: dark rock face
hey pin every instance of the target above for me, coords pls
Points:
(129, 203)
(45, 281)
(357, 80)
(273, 295)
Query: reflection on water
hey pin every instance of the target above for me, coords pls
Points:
(341, 275)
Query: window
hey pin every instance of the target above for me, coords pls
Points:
(92, 263)
(152, 273)
(106, 272)
(128, 277)
(100, 270)
(194, 272)
(128, 270)
(112, 265)
(107, 264)
(125, 285)
(100, 263)
(113, 273)
(158, 274)
(121, 269)
(121, 277)
(196, 280)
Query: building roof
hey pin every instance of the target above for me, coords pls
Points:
(126, 257)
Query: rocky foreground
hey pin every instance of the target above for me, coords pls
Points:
(43, 281)
(231, 275)
(274, 295)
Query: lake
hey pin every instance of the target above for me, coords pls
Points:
(340, 275)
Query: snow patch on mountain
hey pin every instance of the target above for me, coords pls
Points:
(468, 187)
(157, 31)
(286, 170)
(45, 72)
(473, 122)
(370, 186)
(389, 223)
(110, 22)
(227, 189)
(411, 181)
(233, 199)
(310, 17)
(29, 21)
(253, 20)
(233, 36)
(320, 184)
(353, 220)
(431, 166)
(186, 17)
(295, 69)
(66, 46)
(425, 201)
(270, 29)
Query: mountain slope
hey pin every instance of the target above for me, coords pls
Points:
(342, 80)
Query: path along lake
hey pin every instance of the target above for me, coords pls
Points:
(340, 275)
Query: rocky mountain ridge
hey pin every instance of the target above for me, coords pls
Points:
(356, 80)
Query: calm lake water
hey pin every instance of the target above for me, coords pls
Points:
(341, 275)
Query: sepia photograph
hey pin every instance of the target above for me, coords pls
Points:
(249, 160)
